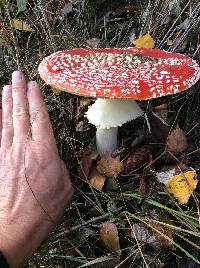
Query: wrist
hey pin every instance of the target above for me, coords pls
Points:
(18, 245)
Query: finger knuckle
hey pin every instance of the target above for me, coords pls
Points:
(7, 123)
(39, 114)
(20, 111)
(34, 115)
(20, 115)
(6, 100)
(19, 87)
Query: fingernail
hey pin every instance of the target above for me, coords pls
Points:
(17, 75)
(32, 84)
(6, 90)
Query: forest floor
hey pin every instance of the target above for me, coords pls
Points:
(122, 214)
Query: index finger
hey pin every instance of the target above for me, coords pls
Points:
(41, 127)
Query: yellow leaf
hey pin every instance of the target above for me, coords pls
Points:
(55, 90)
(182, 185)
(145, 41)
(21, 26)
(169, 42)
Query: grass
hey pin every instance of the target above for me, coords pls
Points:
(76, 242)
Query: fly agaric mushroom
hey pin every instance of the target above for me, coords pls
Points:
(118, 77)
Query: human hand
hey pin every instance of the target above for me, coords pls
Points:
(34, 183)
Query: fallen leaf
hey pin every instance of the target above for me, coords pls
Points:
(163, 231)
(148, 234)
(21, 5)
(169, 42)
(161, 107)
(93, 42)
(162, 112)
(144, 188)
(21, 26)
(109, 236)
(158, 127)
(68, 8)
(55, 90)
(145, 41)
(138, 158)
(96, 179)
(182, 185)
(165, 174)
(86, 161)
(127, 9)
(185, 24)
(174, 7)
(177, 141)
(144, 234)
(109, 166)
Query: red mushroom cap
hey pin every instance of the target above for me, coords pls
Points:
(125, 73)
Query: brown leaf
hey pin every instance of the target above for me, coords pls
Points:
(144, 234)
(110, 166)
(96, 179)
(150, 236)
(137, 158)
(144, 187)
(165, 230)
(177, 141)
(109, 236)
(160, 107)
(127, 9)
(86, 162)
(158, 127)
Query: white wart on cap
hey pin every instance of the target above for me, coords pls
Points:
(118, 76)
(124, 73)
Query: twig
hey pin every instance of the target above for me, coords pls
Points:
(91, 221)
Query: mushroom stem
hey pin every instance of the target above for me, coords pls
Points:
(106, 140)
(107, 115)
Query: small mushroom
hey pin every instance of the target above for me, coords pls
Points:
(117, 77)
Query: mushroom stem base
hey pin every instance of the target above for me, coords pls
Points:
(106, 140)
